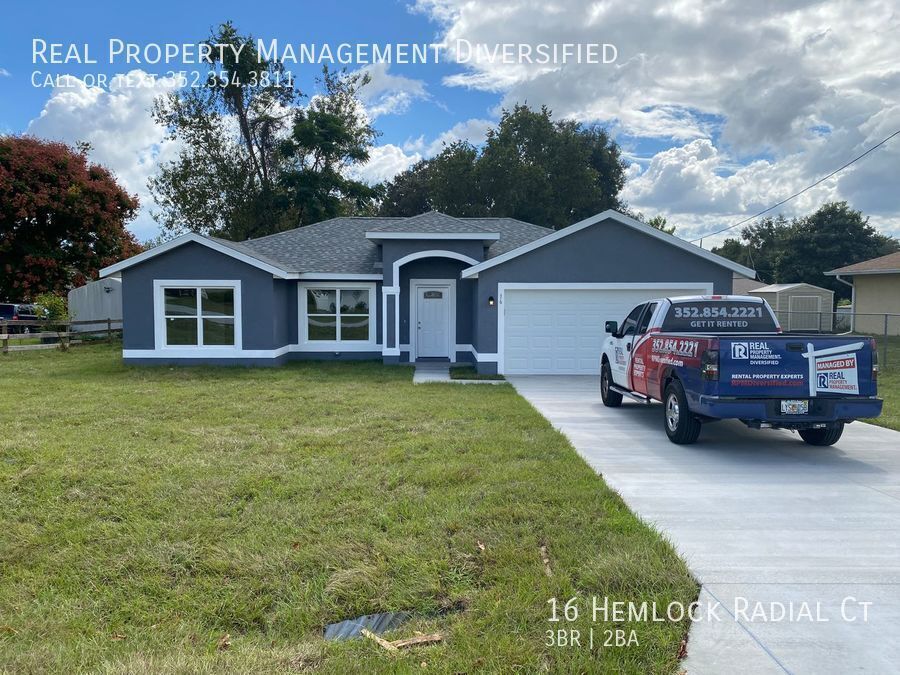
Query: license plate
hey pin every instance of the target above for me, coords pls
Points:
(794, 407)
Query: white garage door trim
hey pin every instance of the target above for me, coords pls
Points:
(702, 288)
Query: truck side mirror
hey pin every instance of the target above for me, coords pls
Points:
(611, 327)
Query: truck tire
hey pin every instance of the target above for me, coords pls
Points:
(826, 436)
(680, 425)
(610, 398)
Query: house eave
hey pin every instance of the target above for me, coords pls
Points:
(851, 273)
(188, 238)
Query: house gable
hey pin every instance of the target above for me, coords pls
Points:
(605, 219)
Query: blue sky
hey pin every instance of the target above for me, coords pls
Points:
(721, 110)
(176, 22)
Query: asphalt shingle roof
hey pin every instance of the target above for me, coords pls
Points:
(885, 264)
(430, 222)
(339, 245)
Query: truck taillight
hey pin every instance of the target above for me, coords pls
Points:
(874, 360)
(709, 364)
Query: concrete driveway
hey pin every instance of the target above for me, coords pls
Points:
(760, 517)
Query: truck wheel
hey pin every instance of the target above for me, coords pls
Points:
(611, 399)
(826, 436)
(681, 426)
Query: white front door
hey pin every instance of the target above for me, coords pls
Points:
(432, 321)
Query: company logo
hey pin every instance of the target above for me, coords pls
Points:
(837, 373)
(740, 350)
(834, 370)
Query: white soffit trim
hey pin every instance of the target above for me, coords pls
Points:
(619, 218)
(446, 236)
(337, 276)
(197, 239)
(834, 273)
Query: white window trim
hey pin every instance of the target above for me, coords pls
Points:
(307, 345)
(703, 287)
(414, 285)
(212, 351)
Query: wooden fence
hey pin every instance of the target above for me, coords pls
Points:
(59, 331)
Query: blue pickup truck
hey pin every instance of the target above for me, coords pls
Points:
(715, 357)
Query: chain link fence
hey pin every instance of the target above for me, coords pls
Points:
(885, 328)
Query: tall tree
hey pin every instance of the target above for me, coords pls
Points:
(447, 182)
(61, 218)
(834, 236)
(327, 138)
(803, 249)
(222, 181)
(253, 161)
(531, 167)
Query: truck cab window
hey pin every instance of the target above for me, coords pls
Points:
(644, 323)
(629, 326)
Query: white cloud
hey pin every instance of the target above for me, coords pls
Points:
(474, 131)
(807, 86)
(117, 123)
(388, 94)
(385, 162)
(4, 72)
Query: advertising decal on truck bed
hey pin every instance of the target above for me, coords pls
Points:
(719, 316)
(833, 370)
(758, 353)
(837, 374)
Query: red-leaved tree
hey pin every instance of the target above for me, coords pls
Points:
(61, 218)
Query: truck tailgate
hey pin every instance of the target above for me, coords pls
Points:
(795, 366)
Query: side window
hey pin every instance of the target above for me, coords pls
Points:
(644, 323)
(629, 326)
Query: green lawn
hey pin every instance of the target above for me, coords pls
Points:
(889, 382)
(147, 512)
(889, 390)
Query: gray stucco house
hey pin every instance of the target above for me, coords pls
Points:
(508, 296)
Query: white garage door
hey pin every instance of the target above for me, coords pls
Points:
(560, 330)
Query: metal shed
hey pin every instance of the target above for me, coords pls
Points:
(800, 307)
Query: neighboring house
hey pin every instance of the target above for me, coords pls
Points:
(509, 296)
(876, 292)
(742, 285)
(96, 301)
(799, 306)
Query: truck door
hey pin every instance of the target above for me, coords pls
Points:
(640, 352)
(623, 340)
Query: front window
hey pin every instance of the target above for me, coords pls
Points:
(338, 314)
(199, 316)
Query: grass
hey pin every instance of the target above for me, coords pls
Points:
(145, 513)
(470, 373)
(889, 390)
(889, 382)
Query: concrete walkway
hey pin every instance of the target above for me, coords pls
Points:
(431, 371)
(760, 517)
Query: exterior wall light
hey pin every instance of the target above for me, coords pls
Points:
(491, 301)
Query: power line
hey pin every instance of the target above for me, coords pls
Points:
(797, 194)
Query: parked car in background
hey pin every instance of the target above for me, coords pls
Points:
(717, 357)
(18, 311)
